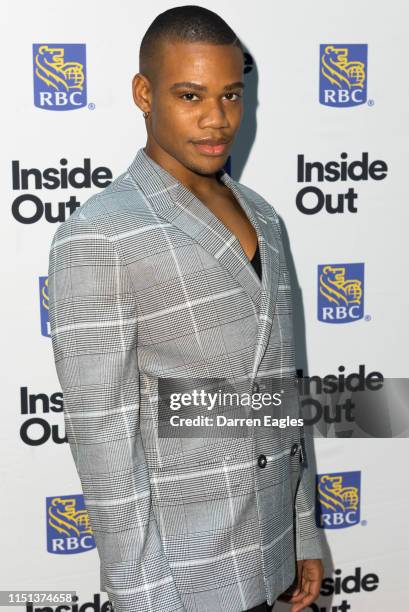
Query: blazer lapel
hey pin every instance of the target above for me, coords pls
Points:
(270, 267)
(172, 201)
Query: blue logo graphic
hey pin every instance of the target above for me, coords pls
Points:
(45, 323)
(340, 293)
(343, 75)
(59, 76)
(68, 526)
(338, 503)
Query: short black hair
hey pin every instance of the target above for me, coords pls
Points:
(188, 23)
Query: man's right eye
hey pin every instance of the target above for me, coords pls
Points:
(188, 94)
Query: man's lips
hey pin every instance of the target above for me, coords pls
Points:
(211, 147)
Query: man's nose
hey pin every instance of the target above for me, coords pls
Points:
(213, 115)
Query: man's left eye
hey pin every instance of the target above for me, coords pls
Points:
(234, 94)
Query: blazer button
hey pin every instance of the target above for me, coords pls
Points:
(294, 448)
(262, 461)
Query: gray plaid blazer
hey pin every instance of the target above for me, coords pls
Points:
(145, 282)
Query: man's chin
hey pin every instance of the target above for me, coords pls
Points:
(208, 167)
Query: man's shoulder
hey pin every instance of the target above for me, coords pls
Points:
(121, 194)
(101, 210)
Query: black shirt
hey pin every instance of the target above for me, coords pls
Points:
(256, 262)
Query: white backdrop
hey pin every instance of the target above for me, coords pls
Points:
(54, 549)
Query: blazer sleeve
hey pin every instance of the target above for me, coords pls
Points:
(309, 539)
(93, 320)
(309, 542)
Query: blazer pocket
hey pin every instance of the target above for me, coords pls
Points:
(199, 452)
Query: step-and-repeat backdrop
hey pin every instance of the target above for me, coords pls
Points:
(325, 140)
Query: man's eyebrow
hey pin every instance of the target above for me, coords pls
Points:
(197, 87)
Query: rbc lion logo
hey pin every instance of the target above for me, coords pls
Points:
(59, 76)
(340, 293)
(68, 526)
(343, 75)
(338, 500)
(44, 308)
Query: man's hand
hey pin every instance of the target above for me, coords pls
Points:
(306, 586)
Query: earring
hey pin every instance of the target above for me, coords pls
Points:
(145, 115)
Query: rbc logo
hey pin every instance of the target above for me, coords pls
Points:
(340, 293)
(343, 75)
(338, 500)
(45, 323)
(68, 526)
(59, 76)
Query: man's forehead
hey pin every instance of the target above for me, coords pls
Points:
(184, 62)
(193, 52)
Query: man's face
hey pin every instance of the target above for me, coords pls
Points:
(196, 95)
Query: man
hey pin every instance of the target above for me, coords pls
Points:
(151, 280)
